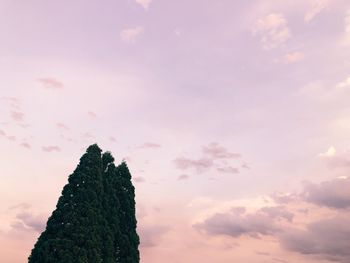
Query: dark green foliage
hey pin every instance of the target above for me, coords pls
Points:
(94, 220)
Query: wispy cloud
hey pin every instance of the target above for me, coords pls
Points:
(29, 222)
(317, 6)
(139, 179)
(216, 151)
(17, 116)
(151, 145)
(52, 148)
(291, 58)
(129, 35)
(200, 165)
(182, 177)
(26, 145)
(144, 3)
(51, 83)
(273, 30)
(112, 139)
(62, 126)
(92, 114)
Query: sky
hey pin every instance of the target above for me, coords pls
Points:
(233, 117)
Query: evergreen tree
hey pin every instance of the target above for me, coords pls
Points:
(94, 220)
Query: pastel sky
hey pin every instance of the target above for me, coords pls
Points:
(233, 117)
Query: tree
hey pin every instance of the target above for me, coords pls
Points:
(94, 220)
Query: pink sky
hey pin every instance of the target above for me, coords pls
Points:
(233, 117)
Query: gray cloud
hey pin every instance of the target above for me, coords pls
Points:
(216, 151)
(139, 179)
(326, 239)
(151, 145)
(237, 222)
(26, 221)
(333, 194)
(183, 177)
(200, 165)
(228, 169)
(150, 235)
(17, 115)
(51, 83)
(51, 148)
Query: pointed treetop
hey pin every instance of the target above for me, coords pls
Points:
(94, 149)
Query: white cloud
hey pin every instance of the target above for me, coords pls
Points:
(273, 31)
(346, 39)
(343, 84)
(292, 57)
(329, 153)
(129, 35)
(316, 8)
(144, 3)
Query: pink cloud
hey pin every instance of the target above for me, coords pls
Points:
(139, 179)
(112, 139)
(150, 145)
(25, 145)
(273, 30)
(292, 57)
(200, 164)
(11, 138)
(51, 83)
(216, 151)
(144, 3)
(129, 35)
(62, 126)
(92, 114)
(183, 177)
(228, 169)
(51, 148)
(17, 115)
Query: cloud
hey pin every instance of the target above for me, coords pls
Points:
(215, 151)
(11, 138)
(14, 102)
(183, 177)
(51, 83)
(62, 126)
(228, 169)
(343, 84)
(112, 139)
(139, 179)
(28, 221)
(144, 3)
(327, 239)
(237, 222)
(151, 145)
(129, 35)
(25, 145)
(292, 57)
(17, 116)
(317, 7)
(20, 206)
(273, 31)
(200, 165)
(87, 135)
(333, 194)
(283, 198)
(51, 148)
(92, 114)
(347, 28)
(150, 235)
(331, 151)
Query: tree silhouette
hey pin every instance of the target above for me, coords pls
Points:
(94, 220)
